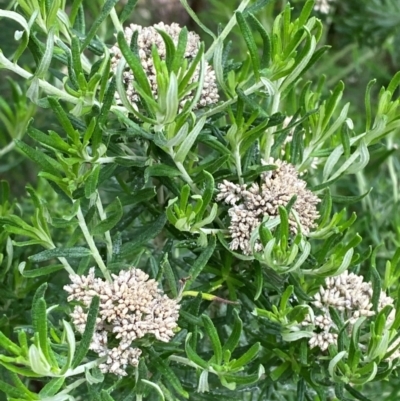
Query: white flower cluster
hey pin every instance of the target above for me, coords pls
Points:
(131, 306)
(350, 296)
(323, 6)
(147, 37)
(276, 189)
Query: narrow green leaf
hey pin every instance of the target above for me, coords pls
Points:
(114, 215)
(234, 337)
(52, 387)
(193, 356)
(39, 294)
(104, 396)
(103, 116)
(40, 326)
(108, 6)
(11, 391)
(247, 357)
(266, 56)
(41, 271)
(187, 144)
(45, 162)
(180, 50)
(169, 275)
(196, 19)
(258, 274)
(367, 102)
(146, 234)
(134, 64)
(161, 170)
(91, 182)
(127, 10)
(201, 261)
(250, 43)
(214, 338)
(76, 252)
(52, 140)
(168, 373)
(8, 345)
(87, 335)
(208, 193)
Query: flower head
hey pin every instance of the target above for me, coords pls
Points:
(147, 37)
(131, 306)
(351, 296)
(322, 6)
(277, 188)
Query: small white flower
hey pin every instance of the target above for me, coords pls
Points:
(250, 205)
(131, 306)
(147, 37)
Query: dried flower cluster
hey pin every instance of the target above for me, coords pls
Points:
(147, 37)
(276, 189)
(349, 295)
(131, 306)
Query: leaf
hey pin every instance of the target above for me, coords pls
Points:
(127, 10)
(52, 387)
(25, 35)
(348, 200)
(201, 261)
(234, 337)
(104, 396)
(91, 182)
(193, 356)
(64, 120)
(250, 43)
(40, 326)
(42, 271)
(8, 345)
(114, 214)
(75, 252)
(266, 57)
(45, 162)
(214, 338)
(207, 193)
(196, 19)
(11, 391)
(87, 335)
(52, 140)
(169, 275)
(108, 6)
(247, 357)
(146, 234)
(168, 373)
(161, 170)
(187, 144)
(134, 64)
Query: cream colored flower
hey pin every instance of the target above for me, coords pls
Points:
(147, 37)
(131, 307)
(251, 204)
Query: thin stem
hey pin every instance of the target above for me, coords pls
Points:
(67, 266)
(7, 148)
(186, 177)
(270, 132)
(229, 26)
(89, 239)
(238, 163)
(182, 360)
(50, 89)
(115, 20)
(107, 234)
